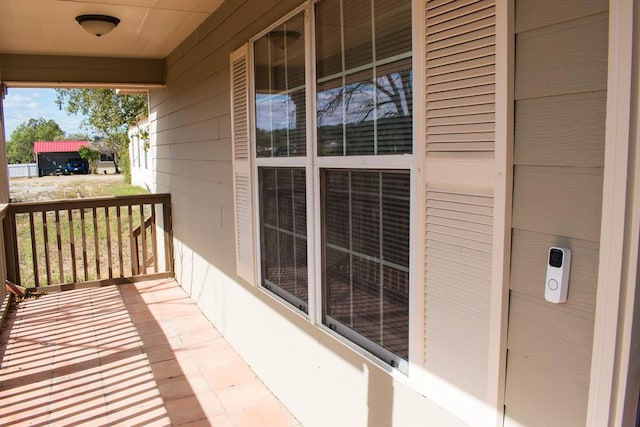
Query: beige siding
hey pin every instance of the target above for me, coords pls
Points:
(530, 400)
(560, 90)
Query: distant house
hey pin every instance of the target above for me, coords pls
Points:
(53, 155)
(140, 156)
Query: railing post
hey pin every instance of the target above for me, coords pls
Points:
(11, 247)
(168, 236)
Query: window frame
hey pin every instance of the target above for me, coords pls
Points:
(313, 164)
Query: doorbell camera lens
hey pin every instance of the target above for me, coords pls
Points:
(555, 257)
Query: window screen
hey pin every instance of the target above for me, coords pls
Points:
(283, 233)
(366, 255)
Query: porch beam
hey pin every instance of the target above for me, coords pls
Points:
(79, 71)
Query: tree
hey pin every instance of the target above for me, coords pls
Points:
(20, 144)
(108, 114)
(91, 156)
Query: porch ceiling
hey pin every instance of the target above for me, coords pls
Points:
(147, 29)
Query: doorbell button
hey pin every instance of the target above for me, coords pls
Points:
(553, 285)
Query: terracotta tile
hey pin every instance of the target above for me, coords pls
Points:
(208, 359)
(184, 410)
(266, 414)
(174, 388)
(160, 353)
(148, 417)
(154, 339)
(210, 404)
(38, 417)
(132, 396)
(141, 411)
(93, 365)
(166, 369)
(230, 375)
(221, 421)
(242, 394)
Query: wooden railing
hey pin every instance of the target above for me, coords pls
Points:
(98, 240)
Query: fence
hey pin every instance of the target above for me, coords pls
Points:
(23, 170)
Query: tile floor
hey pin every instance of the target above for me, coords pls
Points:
(130, 355)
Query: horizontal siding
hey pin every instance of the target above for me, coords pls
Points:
(567, 58)
(560, 112)
(460, 86)
(458, 252)
(533, 14)
(565, 130)
(537, 397)
(557, 340)
(560, 201)
(529, 269)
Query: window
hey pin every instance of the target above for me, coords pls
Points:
(280, 149)
(283, 233)
(365, 261)
(358, 265)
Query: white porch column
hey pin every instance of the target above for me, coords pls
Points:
(613, 394)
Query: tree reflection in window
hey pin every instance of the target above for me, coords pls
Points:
(364, 81)
(366, 116)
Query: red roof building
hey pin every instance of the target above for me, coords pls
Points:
(52, 156)
(58, 146)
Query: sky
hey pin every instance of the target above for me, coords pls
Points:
(20, 105)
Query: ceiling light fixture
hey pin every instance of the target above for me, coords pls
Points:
(98, 25)
(284, 38)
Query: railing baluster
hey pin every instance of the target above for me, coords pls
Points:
(47, 261)
(154, 244)
(120, 255)
(84, 244)
(72, 247)
(108, 229)
(96, 241)
(143, 240)
(134, 248)
(34, 252)
(59, 245)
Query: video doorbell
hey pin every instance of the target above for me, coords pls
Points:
(558, 267)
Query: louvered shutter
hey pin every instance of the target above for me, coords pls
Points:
(460, 197)
(460, 76)
(240, 137)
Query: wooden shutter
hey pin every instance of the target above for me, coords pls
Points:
(460, 76)
(242, 188)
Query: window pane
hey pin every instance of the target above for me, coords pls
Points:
(283, 233)
(328, 39)
(279, 66)
(365, 251)
(364, 84)
(358, 49)
(393, 28)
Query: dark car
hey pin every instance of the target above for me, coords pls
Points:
(77, 166)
